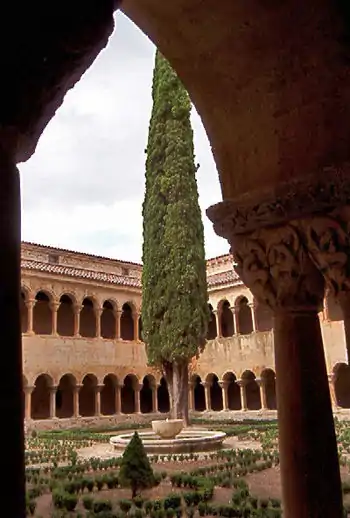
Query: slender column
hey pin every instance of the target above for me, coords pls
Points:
(235, 311)
(137, 399)
(136, 326)
(218, 323)
(118, 399)
(224, 386)
(207, 386)
(77, 309)
(252, 306)
(242, 387)
(273, 263)
(30, 306)
(11, 400)
(331, 381)
(154, 399)
(53, 391)
(98, 313)
(28, 402)
(262, 387)
(118, 315)
(98, 390)
(54, 308)
(191, 403)
(76, 391)
(326, 305)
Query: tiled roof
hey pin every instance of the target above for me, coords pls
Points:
(228, 277)
(79, 273)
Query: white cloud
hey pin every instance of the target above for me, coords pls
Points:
(83, 188)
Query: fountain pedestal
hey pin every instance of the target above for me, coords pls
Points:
(167, 429)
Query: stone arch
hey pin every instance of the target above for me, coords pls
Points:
(127, 322)
(268, 378)
(226, 319)
(88, 318)
(335, 312)
(65, 396)
(216, 402)
(24, 311)
(163, 397)
(109, 395)
(244, 316)
(146, 394)
(212, 329)
(128, 394)
(42, 313)
(264, 317)
(342, 384)
(198, 394)
(87, 396)
(252, 390)
(40, 404)
(108, 320)
(233, 391)
(65, 316)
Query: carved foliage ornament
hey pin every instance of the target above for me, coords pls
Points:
(275, 266)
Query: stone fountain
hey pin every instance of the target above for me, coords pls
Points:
(169, 436)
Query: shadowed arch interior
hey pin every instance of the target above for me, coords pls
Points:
(212, 329)
(244, 316)
(109, 395)
(65, 396)
(42, 314)
(127, 323)
(87, 319)
(87, 396)
(108, 321)
(40, 407)
(163, 396)
(226, 319)
(198, 394)
(128, 395)
(65, 316)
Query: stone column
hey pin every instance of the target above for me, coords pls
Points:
(11, 402)
(154, 399)
(137, 391)
(275, 265)
(235, 310)
(98, 313)
(54, 308)
(118, 315)
(76, 391)
(207, 386)
(53, 391)
(191, 402)
(28, 402)
(262, 386)
(218, 323)
(326, 305)
(98, 390)
(331, 380)
(224, 386)
(30, 306)
(118, 399)
(135, 317)
(77, 309)
(242, 387)
(252, 306)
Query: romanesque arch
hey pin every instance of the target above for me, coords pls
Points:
(40, 404)
(268, 378)
(264, 317)
(342, 384)
(109, 395)
(233, 391)
(198, 394)
(226, 319)
(212, 329)
(146, 394)
(42, 314)
(24, 312)
(128, 395)
(65, 316)
(65, 396)
(163, 396)
(216, 402)
(244, 316)
(127, 323)
(252, 390)
(88, 319)
(87, 396)
(108, 320)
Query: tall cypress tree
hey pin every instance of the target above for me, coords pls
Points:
(174, 288)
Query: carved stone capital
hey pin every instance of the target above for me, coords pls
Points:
(276, 267)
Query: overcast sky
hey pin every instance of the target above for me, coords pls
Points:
(83, 189)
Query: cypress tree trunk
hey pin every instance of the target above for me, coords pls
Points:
(176, 375)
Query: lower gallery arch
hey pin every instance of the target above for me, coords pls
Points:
(65, 316)
(342, 384)
(87, 396)
(109, 395)
(40, 405)
(128, 395)
(198, 394)
(65, 396)
(163, 396)
(252, 391)
(146, 394)
(216, 402)
(268, 378)
(233, 391)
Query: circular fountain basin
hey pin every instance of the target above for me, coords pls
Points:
(190, 440)
(167, 429)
